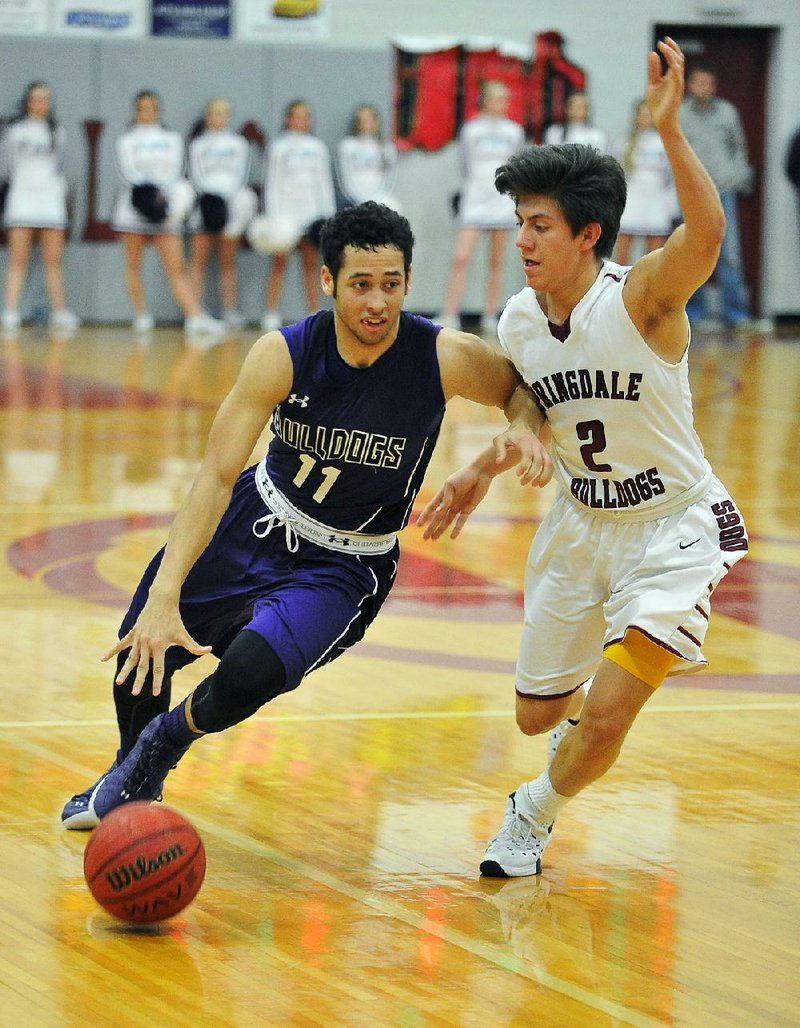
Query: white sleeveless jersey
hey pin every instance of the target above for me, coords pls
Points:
(366, 167)
(299, 180)
(624, 442)
(32, 158)
(484, 143)
(219, 163)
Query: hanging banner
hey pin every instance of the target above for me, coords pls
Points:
(282, 21)
(118, 19)
(23, 17)
(192, 19)
(438, 83)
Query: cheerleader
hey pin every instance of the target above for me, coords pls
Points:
(31, 161)
(577, 128)
(651, 207)
(298, 186)
(152, 206)
(366, 165)
(484, 143)
(219, 167)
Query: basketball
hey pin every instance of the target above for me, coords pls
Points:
(273, 234)
(144, 862)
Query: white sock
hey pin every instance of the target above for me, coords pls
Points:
(544, 799)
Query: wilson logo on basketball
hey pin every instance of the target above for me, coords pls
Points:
(121, 877)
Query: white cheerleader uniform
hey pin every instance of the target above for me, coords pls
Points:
(155, 155)
(484, 143)
(219, 163)
(641, 531)
(366, 168)
(576, 132)
(652, 204)
(299, 183)
(31, 159)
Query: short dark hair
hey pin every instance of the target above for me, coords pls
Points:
(588, 186)
(366, 226)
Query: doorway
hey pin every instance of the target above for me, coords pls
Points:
(740, 57)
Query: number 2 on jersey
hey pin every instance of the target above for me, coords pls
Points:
(593, 435)
(329, 476)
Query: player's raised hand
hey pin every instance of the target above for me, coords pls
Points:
(665, 90)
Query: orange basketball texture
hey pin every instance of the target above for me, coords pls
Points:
(144, 862)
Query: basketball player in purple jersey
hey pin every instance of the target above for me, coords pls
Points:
(279, 568)
(621, 571)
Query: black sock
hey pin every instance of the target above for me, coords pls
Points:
(134, 712)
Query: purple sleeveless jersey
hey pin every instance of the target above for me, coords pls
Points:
(351, 445)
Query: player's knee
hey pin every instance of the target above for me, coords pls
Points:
(535, 716)
(603, 731)
(249, 675)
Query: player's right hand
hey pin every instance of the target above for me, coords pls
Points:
(158, 627)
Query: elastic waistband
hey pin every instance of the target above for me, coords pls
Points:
(630, 515)
(286, 514)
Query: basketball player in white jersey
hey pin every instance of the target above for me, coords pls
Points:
(219, 168)
(621, 571)
(31, 163)
(152, 205)
(484, 143)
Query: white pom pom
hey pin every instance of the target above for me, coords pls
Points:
(273, 234)
(242, 207)
(180, 200)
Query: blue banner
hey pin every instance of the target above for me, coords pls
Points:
(192, 19)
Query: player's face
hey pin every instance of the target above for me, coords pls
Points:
(369, 293)
(551, 255)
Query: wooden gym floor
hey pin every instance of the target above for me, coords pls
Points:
(344, 824)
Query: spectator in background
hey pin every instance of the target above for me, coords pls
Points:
(152, 206)
(366, 164)
(714, 130)
(651, 207)
(484, 143)
(298, 186)
(219, 168)
(577, 128)
(31, 161)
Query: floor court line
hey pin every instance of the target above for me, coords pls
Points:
(423, 715)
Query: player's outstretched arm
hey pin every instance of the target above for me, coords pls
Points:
(661, 282)
(264, 380)
(478, 371)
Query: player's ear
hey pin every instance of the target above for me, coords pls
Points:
(408, 281)
(589, 235)
(326, 280)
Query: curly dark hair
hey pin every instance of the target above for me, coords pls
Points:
(366, 226)
(588, 186)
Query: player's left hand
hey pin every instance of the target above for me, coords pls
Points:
(664, 92)
(455, 501)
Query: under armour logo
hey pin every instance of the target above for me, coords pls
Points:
(302, 400)
(338, 539)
